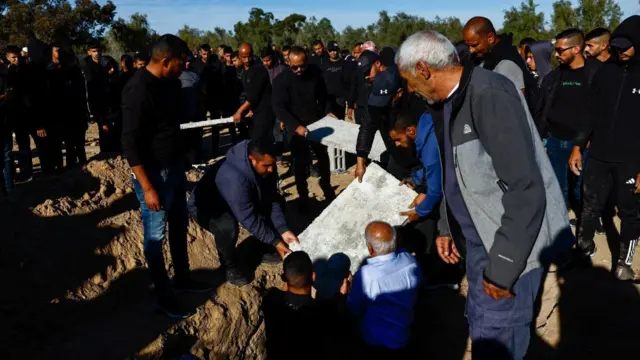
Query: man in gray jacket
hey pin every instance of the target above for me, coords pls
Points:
(501, 194)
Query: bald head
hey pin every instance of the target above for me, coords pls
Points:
(381, 238)
(480, 36)
(245, 53)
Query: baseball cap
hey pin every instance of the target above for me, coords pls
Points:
(384, 87)
(621, 42)
(333, 46)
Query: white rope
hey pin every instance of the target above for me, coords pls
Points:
(206, 123)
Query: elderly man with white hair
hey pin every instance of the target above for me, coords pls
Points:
(501, 195)
(384, 293)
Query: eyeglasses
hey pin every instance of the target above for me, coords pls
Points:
(298, 67)
(559, 51)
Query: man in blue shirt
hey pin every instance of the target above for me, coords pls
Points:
(384, 292)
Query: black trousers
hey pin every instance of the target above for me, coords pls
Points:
(604, 180)
(215, 130)
(3, 190)
(360, 114)
(261, 128)
(74, 139)
(301, 154)
(225, 229)
(50, 151)
(338, 109)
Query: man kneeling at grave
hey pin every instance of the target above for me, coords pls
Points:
(384, 293)
(299, 326)
(242, 188)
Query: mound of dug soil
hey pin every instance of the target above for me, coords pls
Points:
(75, 283)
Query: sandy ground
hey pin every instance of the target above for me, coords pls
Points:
(75, 284)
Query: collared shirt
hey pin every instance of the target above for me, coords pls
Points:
(383, 296)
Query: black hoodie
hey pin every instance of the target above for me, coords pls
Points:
(613, 104)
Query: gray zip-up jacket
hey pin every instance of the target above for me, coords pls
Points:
(505, 178)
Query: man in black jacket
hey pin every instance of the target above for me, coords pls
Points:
(299, 99)
(97, 78)
(337, 78)
(613, 166)
(360, 87)
(319, 57)
(152, 143)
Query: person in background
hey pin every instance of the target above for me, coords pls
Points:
(97, 78)
(360, 87)
(152, 144)
(140, 60)
(241, 189)
(205, 68)
(356, 50)
(240, 94)
(597, 44)
(319, 324)
(300, 99)
(538, 58)
(3, 130)
(487, 126)
(384, 293)
(319, 57)
(192, 101)
(285, 54)
(257, 87)
(24, 54)
(612, 170)
(523, 44)
(268, 60)
(369, 46)
(220, 52)
(337, 79)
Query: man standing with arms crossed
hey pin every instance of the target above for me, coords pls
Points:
(151, 142)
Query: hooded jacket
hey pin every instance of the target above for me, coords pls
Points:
(233, 185)
(504, 178)
(542, 52)
(613, 104)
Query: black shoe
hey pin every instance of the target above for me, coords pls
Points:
(600, 229)
(441, 285)
(586, 248)
(573, 222)
(624, 272)
(236, 277)
(191, 286)
(171, 307)
(271, 259)
(304, 206)
(329, 195)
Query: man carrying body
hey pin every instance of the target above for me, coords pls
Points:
(494, 162)
(384, 294)
(151, 142)
(256, 85)
(613, 169)
(597, 44)
(299, 99)
(243, 189)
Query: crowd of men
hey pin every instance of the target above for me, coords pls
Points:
(499, 143)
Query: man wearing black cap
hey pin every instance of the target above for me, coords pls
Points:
(336, 77)
(360, 86)
(613, 166)
(386, 85)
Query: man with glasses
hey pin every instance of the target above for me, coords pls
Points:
(299, 99)
(614, 165)
(560, 111)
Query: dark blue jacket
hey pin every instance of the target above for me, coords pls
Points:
(431, 172)
(253, 200)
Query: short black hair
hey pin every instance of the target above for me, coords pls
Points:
(575, 35)
(222, 46)
(128, 61)
(267, 51)
(169, 46)
(357, 44)
(12, 49)
(204, 47)
(298, 270)
(228, 50)
(235, 54)
(141, 56)
(297, 50)
(405, 119)
(317, 42)
(286, 48)
(93, 44)
(596, 33)
(526, 41)
(261, 148)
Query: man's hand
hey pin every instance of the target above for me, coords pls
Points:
(152, 200)
(447, 250)
(42, 133)
(407, 184)
(397, 97)
(638, 184)
(495, 292)
(282, 126)
(350, 113)
(331, 115)
(347, 284)
(237, 117)
(283, 249)
(290, 238)
(418, 200)
(250, 114)
(105, 128)
(361, 168)
(411, 214)
(575, 161)
(302, 131)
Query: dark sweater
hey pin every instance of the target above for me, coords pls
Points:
(152, 113)
(336, 78)
(300, 100)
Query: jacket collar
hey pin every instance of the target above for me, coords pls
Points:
(459, 95)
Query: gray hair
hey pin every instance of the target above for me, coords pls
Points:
(429, 47)
(382, 246)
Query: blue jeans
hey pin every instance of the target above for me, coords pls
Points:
(559, 152)
(499, 326)
(169, 183)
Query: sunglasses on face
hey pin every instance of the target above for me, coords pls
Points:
(298, 67)
(559, 51)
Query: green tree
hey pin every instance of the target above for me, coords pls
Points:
(135, 34)
(451, 27)
(258, 30)
(286, 31)
(524, 21)
(563, 17)
(50, 20)
(598, 13)
(315, 29)
(351, 36)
